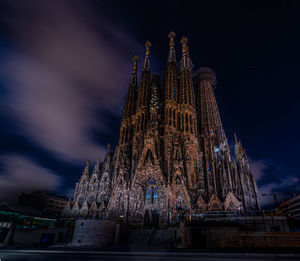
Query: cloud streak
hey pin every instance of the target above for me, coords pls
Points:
(66, 70)
(21, 174)
(258, 168)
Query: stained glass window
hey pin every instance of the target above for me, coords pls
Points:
(174, 94)
(152, 194)
(148, 196)
(207, 165)
(212, 132)
(155, 196)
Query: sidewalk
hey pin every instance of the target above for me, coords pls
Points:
(212, 253)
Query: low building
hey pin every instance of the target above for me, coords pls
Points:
(16, 218)
(290, 208)
(49, 203)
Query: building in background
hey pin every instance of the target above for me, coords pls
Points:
(50, 204)
(290, 208)
(19, 218)
(172, 156)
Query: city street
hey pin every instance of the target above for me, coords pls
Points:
(57, 255)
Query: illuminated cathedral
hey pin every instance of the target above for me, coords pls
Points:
(172, 156)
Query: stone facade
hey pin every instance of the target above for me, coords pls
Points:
(172, 156)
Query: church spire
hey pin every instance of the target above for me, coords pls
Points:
(97, 167)
(186, 82)
(145, 81)
(146, 62)
(171, 88)
(133, 80)
(171, 56)
(86, 171)
(129, 106)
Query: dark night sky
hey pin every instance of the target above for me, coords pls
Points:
(65, 67)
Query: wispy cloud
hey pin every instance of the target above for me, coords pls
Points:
(21, 174)
(258, 168)
(65, 69)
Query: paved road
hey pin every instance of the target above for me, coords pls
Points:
(54, 255)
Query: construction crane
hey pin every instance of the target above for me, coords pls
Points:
(277, 194)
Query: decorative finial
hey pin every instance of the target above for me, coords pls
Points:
(171, 36)
(135, 59)
(147, 45)
(98, 159)
(108, 146)
(184, 42)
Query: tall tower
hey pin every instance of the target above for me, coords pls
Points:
(212, 139)
(142, 108)
(129, 107)
(124, 150)
(171, 110)
(188, 127)
(246, 185)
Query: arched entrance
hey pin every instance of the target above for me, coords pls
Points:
(155, 219)
(147, 223)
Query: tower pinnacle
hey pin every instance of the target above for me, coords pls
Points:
(171, 56)
(184, 42)
(147, 52)
(186, 61)
(86, 170)
(133, 80)
(235, 138)
(135, 59)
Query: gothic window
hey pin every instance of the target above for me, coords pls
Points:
(81, 200)
(155, 196)
(174, 118)
(179, 201)
(174, 93)
(207, 166)
(91, 199)
(138, 124)
(178, 182)
(177, 155)
(212, 133)
(186, 123)
(148, 196)
(142, 123)
(170, 116)
(191, 124)
(152, 192)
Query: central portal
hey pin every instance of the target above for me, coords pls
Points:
(151, 219)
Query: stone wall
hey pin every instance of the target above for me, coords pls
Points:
(256, 231)
(93, 232)
(233, 237)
